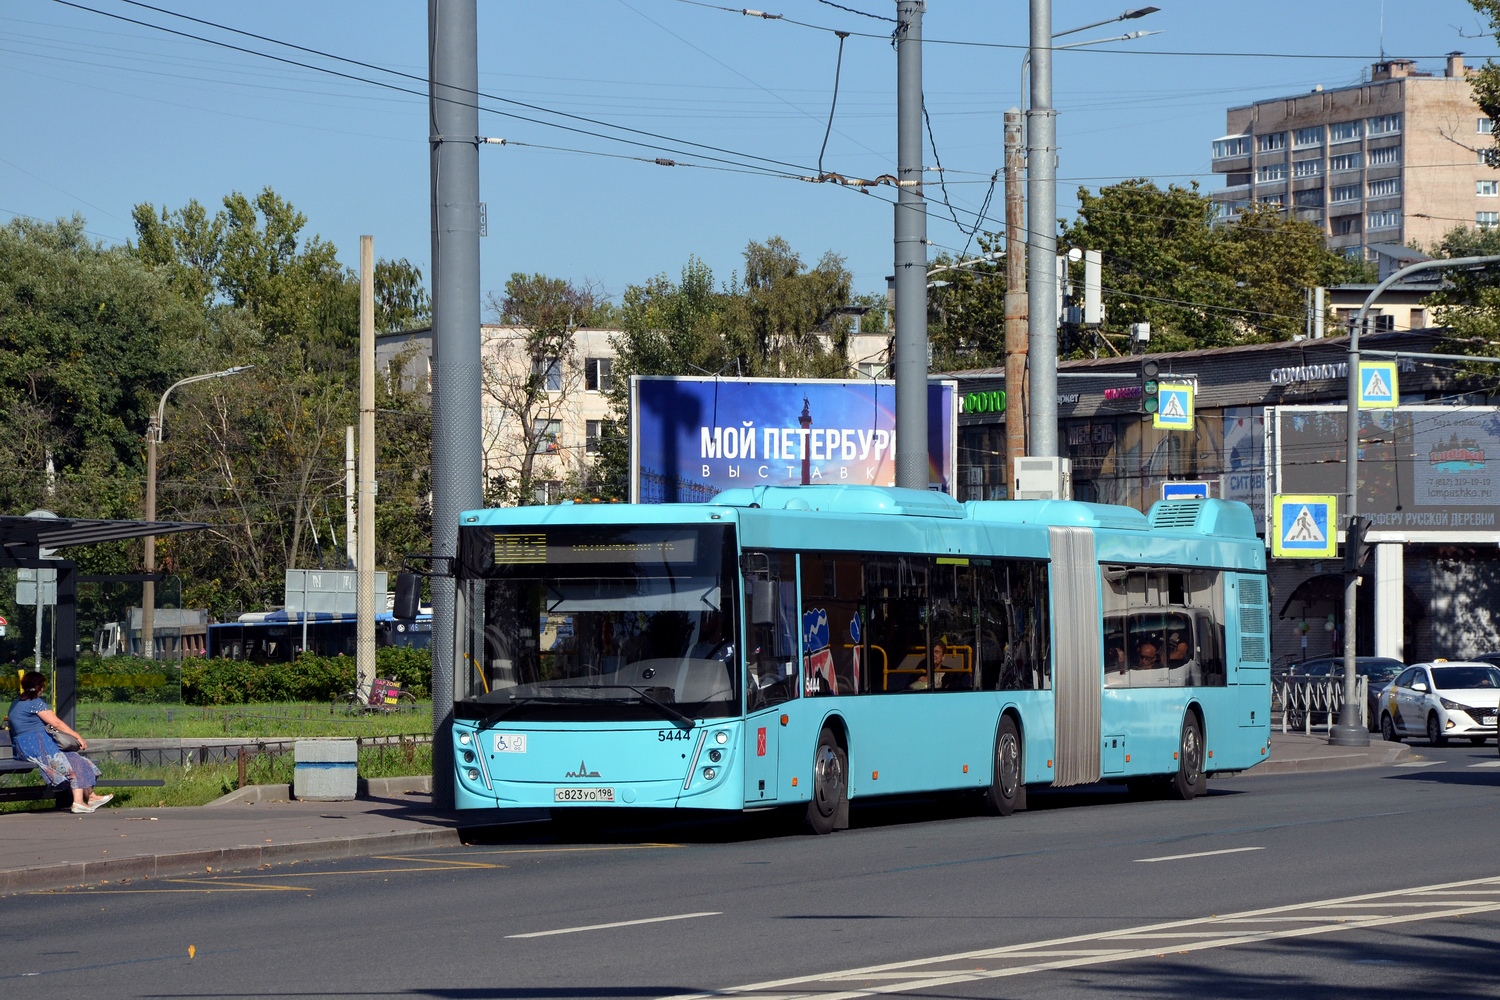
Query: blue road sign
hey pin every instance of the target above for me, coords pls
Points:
(1377, 385)
(1184, 491)
(1304, 526)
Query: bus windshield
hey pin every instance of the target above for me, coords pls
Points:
(599, 623)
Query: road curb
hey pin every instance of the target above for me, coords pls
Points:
(368, 788)
(77, 873)
(1376, 756)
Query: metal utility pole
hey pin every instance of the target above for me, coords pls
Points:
(364, 561)
(1041, 236)
(457, 452)
(1349, 732)
(911, 254)
(1016, 299)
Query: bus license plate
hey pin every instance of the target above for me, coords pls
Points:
(583, 795)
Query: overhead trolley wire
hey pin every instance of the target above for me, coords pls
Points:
(424, 93)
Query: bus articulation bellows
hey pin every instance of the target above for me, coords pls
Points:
(805, 646)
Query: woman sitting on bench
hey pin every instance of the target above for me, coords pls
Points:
(29, 718)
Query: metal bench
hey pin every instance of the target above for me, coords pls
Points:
(10, 764)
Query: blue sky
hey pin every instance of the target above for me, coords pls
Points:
(100, 114)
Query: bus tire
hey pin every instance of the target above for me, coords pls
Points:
(1189, 779)
(1007, 791)
(830, 784)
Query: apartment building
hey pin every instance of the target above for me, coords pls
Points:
(1399, 159)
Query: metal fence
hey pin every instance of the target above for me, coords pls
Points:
(1302, 701)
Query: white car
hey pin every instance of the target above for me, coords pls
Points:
(1442, 699)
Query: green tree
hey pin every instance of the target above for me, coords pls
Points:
(966, 310)
(260, 457)
(89, 337)
(1468, 303)
(1197, 284)
(782, 320)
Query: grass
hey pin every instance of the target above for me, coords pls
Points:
(283, 720)
(199, 784)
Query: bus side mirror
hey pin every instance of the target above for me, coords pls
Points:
(408, 597)
(762, 602)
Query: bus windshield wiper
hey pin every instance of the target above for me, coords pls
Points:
(685, 721)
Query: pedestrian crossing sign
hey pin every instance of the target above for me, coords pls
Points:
(1175, 410)
(1377, 385)
(1304, 526)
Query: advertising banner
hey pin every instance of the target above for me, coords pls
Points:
(1421, 468)
(693, 437)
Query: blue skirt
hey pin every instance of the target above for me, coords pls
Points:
(57, 767)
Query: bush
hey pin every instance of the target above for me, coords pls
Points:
(309, 678)
(128, 679)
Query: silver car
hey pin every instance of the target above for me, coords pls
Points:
(1441, 700)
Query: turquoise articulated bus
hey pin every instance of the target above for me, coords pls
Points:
(805, 646)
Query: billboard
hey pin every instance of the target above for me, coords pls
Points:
(1421, 468)
(693, 437)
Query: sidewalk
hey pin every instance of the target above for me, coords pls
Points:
(51, 849)
(1296, 752)
(257, 825)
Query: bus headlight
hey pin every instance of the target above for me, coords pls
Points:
(716, 755)
(472, 774)
(721, 737)
(465, 739)
(708, 774)
(468, 756)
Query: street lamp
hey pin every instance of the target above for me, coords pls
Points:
(153, 438)
(1129, 15)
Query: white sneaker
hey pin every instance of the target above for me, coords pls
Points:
(101, 800)
(80, 809)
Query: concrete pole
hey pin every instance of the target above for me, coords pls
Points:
(911, 254)
(1016, 300)
(364, 562)
(457, 453)
(148, 588)
(1041, 235)
(351, 534)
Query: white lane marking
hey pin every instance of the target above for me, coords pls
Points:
(1419, 763)
(1200, 854)
(1488, 763)
(617, 923)
(1233, 933)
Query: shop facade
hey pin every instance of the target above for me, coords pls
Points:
(1434, 577)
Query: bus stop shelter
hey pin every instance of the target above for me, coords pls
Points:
(23, 541)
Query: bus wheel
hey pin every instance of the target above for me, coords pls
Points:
(1006, 792)
(830, 784)
(1189, 779)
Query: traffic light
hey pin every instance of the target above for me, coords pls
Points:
(1150, 387)
(1356, 549)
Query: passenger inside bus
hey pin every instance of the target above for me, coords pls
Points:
(933, 664)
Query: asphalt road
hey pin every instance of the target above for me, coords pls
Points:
(1329, 884)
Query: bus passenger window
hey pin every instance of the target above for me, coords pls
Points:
(896, 596)
(994, 633)
(832, 628)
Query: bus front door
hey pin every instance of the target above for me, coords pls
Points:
(762, 751)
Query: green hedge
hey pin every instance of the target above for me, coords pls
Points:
(198, 681)
(309, 678)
